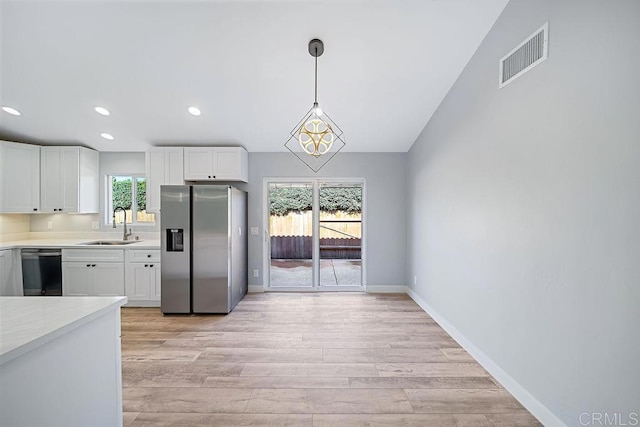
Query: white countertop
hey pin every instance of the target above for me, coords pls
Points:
(76, 243)
(28, 322)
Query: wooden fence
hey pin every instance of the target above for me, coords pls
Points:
(301, 247)
(301, 224)
(141, 216)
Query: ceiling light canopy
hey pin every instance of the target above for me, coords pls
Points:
(316, 138)
(102, 111)
(11, 110)
(107, 136)
(194, 111)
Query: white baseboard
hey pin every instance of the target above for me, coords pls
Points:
(135, 303)
(372, 289)
(533, 405)
(386, 289)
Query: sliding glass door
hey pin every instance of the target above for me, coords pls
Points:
(315, 234)
(290, 235)
(340, 234)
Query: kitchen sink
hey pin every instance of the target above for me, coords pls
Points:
(111, 242)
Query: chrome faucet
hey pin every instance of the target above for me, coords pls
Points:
(125, 234)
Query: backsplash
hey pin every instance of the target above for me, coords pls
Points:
(63, 222)
(82, 223)
(66, 226)
(14, 225)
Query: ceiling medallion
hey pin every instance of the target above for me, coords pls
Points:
(316, 138)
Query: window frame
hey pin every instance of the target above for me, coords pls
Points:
(134, 200)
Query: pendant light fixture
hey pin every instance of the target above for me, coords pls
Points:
(316, 138)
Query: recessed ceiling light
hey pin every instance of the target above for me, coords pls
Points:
(107, 136)
(194, 111)
(10, 110)
(101, 110)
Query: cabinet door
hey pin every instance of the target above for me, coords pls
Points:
(138, 284)
(93, 255)
(50, 179)
(198, 163)
(70, 178)
(19, 177)
(227, 163)
(88, 181)
(8, 285)
(108, 279)
(164, 166)
(155, 168)
(154, 270)
(77, 279)
(174, 166)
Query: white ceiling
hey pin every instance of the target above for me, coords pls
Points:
(387, 66)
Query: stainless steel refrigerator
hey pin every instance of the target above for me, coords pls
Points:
(204, 248)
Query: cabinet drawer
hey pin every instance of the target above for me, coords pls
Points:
(93, 255)
(141, 255)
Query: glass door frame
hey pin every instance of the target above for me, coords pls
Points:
(316, 183)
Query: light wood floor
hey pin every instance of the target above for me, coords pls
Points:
(314, 359)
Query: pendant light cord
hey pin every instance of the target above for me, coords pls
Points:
(315, 96)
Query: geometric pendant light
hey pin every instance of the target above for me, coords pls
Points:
(316, 138)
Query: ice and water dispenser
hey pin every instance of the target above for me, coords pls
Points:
(175, 240)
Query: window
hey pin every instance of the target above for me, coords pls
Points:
(130, 193)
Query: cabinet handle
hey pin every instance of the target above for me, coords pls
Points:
(149, 256)
(151, 265)
(93, 265)
(146, 265)
(88, 265)
(60, 210)
(35, 209)
(214, 177)
(54, 209)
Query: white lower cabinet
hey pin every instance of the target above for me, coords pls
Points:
(9, 285)
(76, 277)
(144, 282)
(95, 279)
(112, 272)
(92, 272)
(142, 278)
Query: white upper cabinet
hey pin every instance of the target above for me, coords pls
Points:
(19, 177)
(164, 167)
(216, 164)
(69, 180)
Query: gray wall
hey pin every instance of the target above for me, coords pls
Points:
(121, 164)
(385, 193)
(524, 207)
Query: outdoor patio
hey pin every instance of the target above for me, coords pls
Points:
(297, 273)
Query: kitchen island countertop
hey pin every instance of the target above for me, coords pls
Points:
(28, 322)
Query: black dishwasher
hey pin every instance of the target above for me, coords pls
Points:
(42, 272)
